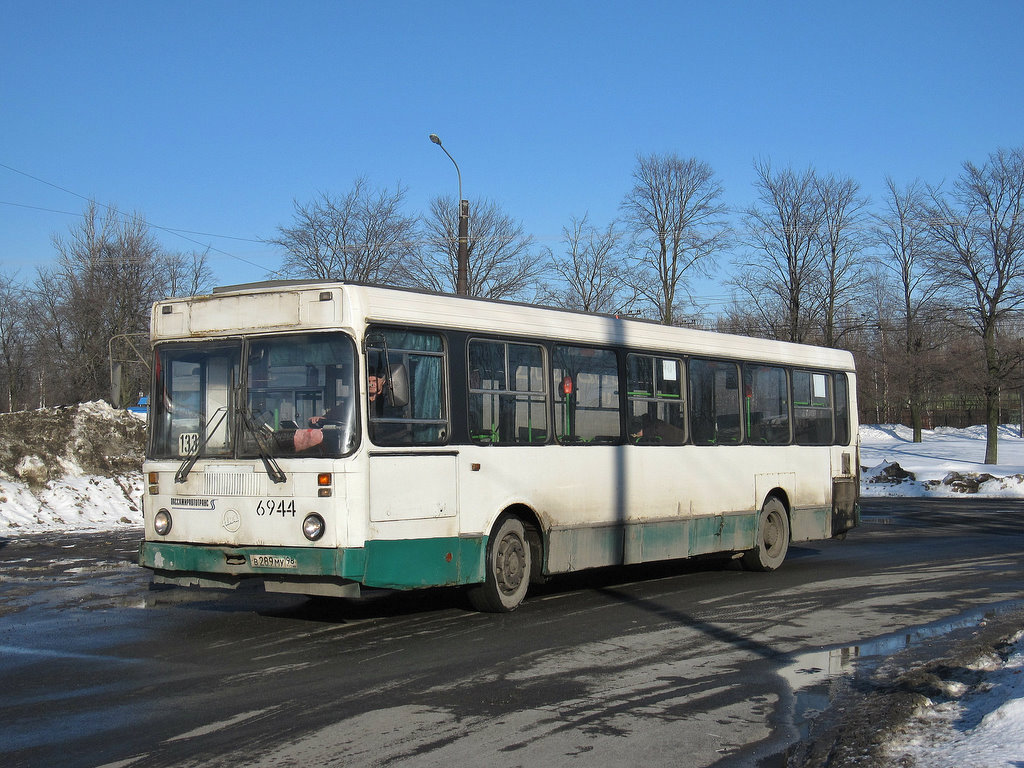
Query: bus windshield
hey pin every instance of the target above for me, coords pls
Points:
(276, 395)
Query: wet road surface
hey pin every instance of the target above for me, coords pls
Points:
(692, 663)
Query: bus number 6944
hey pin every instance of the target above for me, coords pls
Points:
(282, 507)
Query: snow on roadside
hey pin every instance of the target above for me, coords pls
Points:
(75, 502)
(981, 726)
(984, 727)
(70, 468)
(947, 463)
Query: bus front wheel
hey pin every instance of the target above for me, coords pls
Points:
(772, 541)
(508, 569)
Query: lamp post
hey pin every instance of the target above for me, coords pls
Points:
(462, 279)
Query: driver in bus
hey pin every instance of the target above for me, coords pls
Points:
(375, 385)
(304, 439)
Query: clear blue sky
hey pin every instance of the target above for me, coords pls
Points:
(215, 116)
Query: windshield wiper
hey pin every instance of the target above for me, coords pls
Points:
(186, 466)
(274, 470)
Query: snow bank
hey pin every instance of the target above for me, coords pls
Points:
(978, 726)
(947, 463)
(73, 503)
(79, 469)
(75, 468)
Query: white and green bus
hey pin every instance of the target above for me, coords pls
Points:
(323, 436)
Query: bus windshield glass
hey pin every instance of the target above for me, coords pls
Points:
(293, 396)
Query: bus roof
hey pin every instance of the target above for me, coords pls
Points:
(291, 305)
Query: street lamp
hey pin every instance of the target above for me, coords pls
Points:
(462, 280)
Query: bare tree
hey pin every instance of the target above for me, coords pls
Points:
(105, 279)
(591, 269)
(901, 234)
(53, 336)
(185, 274)
(677, 218)
(502, 262)
(979, 230)
(778, 275)
(14, 342)
(871, 347)
(841, 241)
(362, 236)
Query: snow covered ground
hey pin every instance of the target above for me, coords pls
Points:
(982, 726)
(51, 469)
(947, 463)
(977, 727)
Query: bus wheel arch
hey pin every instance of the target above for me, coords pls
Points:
(771, 540)
(512, 561)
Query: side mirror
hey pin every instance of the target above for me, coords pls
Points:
(398, 386)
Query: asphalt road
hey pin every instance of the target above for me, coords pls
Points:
(693, 663)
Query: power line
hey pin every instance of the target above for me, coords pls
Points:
(177, 231)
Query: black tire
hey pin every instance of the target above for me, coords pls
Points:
(772, 542)
(509, 566)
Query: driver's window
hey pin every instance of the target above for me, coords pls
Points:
(404, 391)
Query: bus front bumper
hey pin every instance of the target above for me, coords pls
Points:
(399, 564)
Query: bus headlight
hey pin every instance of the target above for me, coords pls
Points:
(313, 527)
(162, 522)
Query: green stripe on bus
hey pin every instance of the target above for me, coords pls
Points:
(199, 558)
(409, 563)
(400, 564)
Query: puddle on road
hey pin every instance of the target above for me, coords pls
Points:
(811, 674)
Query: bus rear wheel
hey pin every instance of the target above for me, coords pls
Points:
(772, 541)
(509, 566)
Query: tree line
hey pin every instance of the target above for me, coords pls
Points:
(924, 285)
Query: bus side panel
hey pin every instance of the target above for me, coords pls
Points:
(412, 486)
(845, 513)
(810, 523)
(653, 540)
(722, 533)
(657, 540)
(425, 562)
(573, 549)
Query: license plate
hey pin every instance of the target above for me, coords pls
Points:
(272, 561)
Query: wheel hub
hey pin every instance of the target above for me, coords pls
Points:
(510, 564)
(772, 532)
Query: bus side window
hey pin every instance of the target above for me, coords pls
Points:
(714, 402)
(812, 408)
(766, 404)
(654, 393)
(507, 395)
(411, 408)
(842, 401)
(586, 383)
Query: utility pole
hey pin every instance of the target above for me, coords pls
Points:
(462, 275)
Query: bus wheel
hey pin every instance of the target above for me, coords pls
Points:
(508, 566)
(772, 541)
